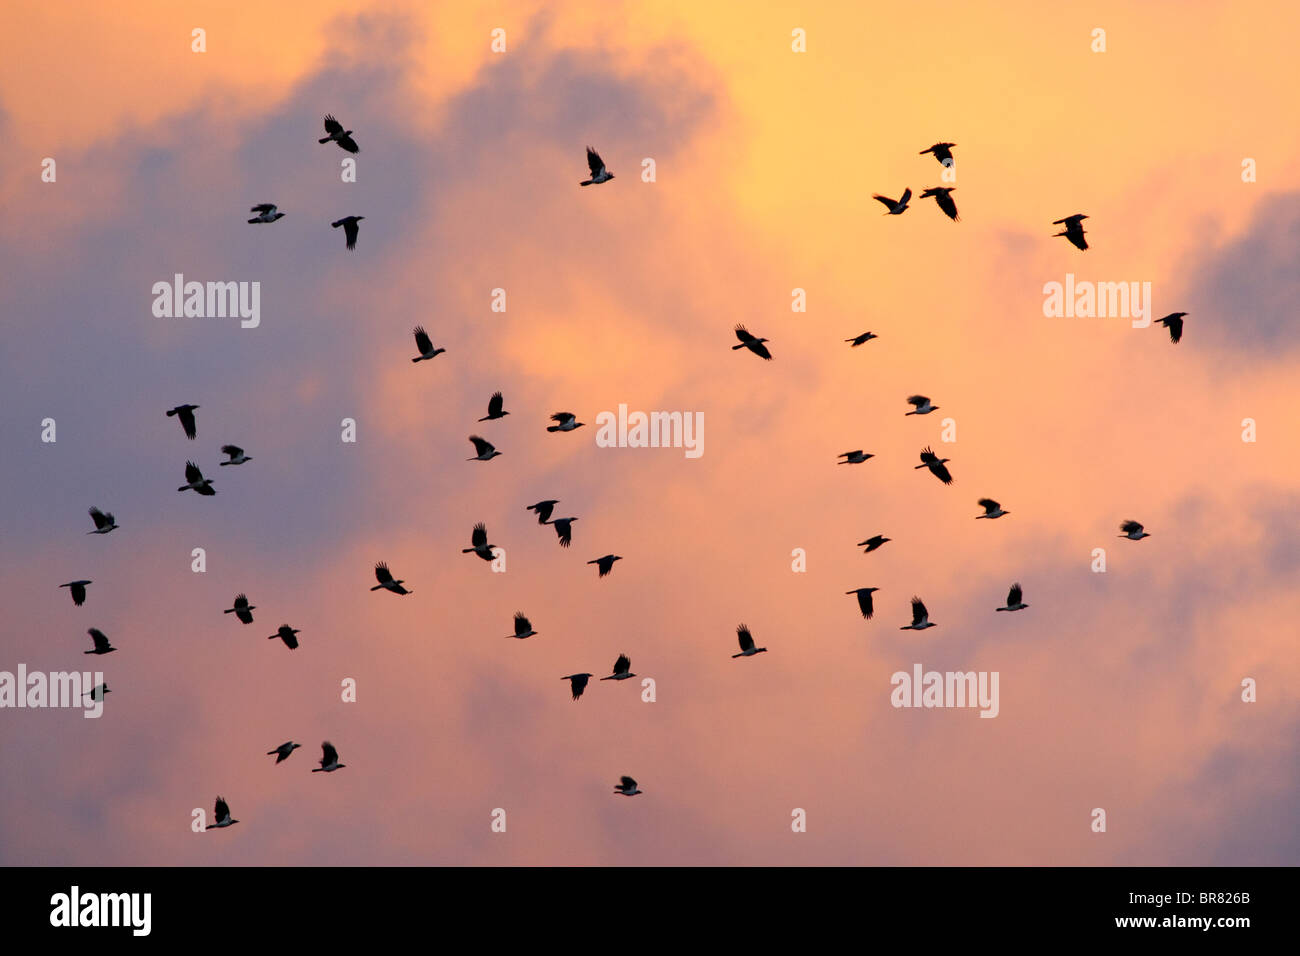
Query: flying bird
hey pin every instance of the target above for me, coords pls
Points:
(339, 135)
(991, 509)
(920, 405)
(478, 540)
(747, 648)
(101, 642)
(627, 787)
(895, 208)
(622, 669)
(222, 815)
(1133, 531)
(543, 509)
(350, 229)
(564, 530)
(567, 422)
(874, 542)
(104, 521)
(920, 617)
(748, 341)
(287, 634)
(606, 564)
(577, 683)
(282, 752)
(385, 579)
(865, 604)
(425, 345)
(1174, 323)
(932, 461)
(495, 404)
(266, 212)
(237, 456)
(854, 457)
(195, 481)
(598, 172)
(1013, 600)
(186, 414)
(484, 449)
(523, 627)
(78, 591)
(329, 760)
(242, 609)
(98, 691)
(860, 339)
(942, 197)
(1073, 230)
(942, 152)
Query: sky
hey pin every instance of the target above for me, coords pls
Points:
(1119, 690)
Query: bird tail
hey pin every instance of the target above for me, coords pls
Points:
(586, 182)
(376, 587)
(467, 550)
(552, 428)
(183, 488)
(325, 140)
(740, 346)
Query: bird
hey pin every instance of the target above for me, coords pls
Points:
(242, 609)
(98, 691)
(1073, 230)
(287, 634)
(577, 683)
(478, 540)
(864, 601)
(186, 415)
(942, 152)
(564, 530)
(78, 591)
(874, 542)
(932, 461)
(748, 341)
(920, 617)
(101, 642)
(567, 422)
(104, 521)
(606, 564)
(1013, 599)
(599, 174)
(329, 760)
(543, 509)
(895, 208)
(854, 457)
(747, 648)
(494, 408)
(385, 579)
(920, 405)
(942, 197)
(349, 224)
(860, 339)
(485, 450)
(991, 509)
(237, 456)
(266, 212)
(1133, 531)
(1174, 323)
(339, 135)
(622, 669)
(523, 627)
(424, 344)
(282, 752)
(195, 481)
(627, 787)
(222, 815)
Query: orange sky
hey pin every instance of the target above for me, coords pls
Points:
(1118, 690)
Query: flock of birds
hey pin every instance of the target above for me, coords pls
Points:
(484, 450)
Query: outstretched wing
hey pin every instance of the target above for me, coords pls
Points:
(746, 639)
(743, 334)
(919, 613)
(382, 574)
(192, 473)
(328, 753)
(422, 340)
(332, 125)
(1013, 596)
(495, 404)
(478, 537)
(888, 203)
(234, 451)
(264, 207)
(623, 664)
(594, 162)
(522, 624)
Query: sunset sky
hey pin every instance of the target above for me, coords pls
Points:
(1119, 690)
